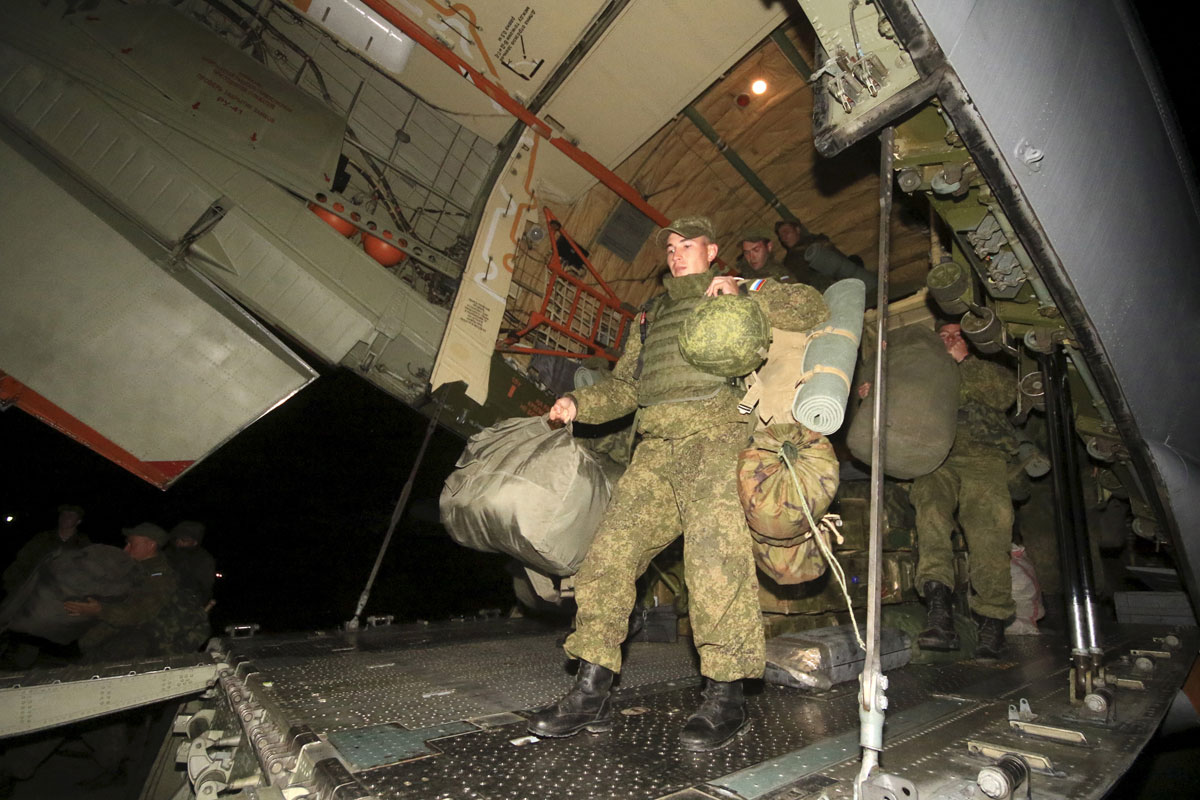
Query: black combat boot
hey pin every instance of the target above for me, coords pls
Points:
(719, 718)
(587, 705)
(991, 639)
(939, 633)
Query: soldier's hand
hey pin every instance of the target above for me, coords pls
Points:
(722, 284)
(563, 411)
(83, 608)
(864, 389)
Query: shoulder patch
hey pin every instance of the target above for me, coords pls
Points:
(755, 285)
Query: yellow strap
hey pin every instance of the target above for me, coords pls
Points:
(827, 370)
(831, 331)
(753, 393)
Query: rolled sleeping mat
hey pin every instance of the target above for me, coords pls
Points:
(820, 402)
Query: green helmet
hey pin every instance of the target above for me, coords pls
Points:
(727, 336)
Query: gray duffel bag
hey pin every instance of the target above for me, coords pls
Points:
(922, 406)
(524, 489)
(100, 571)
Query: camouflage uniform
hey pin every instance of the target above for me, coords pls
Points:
(156, 618)
(771, 269)
(973, 478)
(685, 464)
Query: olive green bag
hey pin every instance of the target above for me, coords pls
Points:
(785, 547)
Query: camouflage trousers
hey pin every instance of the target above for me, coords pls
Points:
(676, 486)
(977, 485)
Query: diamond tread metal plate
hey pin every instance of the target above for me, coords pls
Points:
(432, 679)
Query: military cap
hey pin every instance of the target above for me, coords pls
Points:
(188, 529)
(73, 508)
(688, 228)
(148, 530)
(790, 221)
(755, 235)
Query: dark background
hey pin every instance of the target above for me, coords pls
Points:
(296, 508)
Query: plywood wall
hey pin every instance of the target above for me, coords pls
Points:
(682, 173)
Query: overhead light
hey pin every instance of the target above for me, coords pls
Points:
(759, 86)
(9, 518)
(362, 29)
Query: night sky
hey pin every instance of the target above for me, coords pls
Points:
(296, 508)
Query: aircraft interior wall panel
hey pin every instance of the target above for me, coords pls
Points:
(166, 198)
(91, 323)
(84, 131)
(657, 57)
(273, 284)
(1065, 77)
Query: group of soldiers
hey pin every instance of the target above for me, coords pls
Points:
(164, 611)
(808, 258)
(681, 482)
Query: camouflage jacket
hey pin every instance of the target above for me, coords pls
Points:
(618, 396)
(42, 546)
(157, 617)
(986, 390)
(794, 307)
(771, 269)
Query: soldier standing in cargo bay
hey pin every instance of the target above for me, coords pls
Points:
(681, 480)
(973, 478)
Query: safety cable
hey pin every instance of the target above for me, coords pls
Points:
(829, 524)
(397, 513)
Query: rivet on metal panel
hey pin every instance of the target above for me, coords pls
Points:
(1029, 155)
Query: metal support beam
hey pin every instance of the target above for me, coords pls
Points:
(781, 40)
(872, 683)
(736, 161)
(1071, 523)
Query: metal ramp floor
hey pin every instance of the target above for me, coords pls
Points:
(438, 712)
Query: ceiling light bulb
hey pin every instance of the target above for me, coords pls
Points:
(759, 86)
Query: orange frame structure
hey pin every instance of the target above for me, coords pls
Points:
(606, 299)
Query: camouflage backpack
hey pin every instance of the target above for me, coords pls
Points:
(784, 546)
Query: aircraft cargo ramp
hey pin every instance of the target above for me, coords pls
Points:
(438, 711)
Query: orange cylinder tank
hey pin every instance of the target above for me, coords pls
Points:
(344, 227)
(385, 253)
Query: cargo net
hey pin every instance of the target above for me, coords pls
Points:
(577, 317)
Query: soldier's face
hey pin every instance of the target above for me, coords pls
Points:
(689, 256)
(788, 235)
(68, 519)
(756, 253)
(956, 345)
(140, 548)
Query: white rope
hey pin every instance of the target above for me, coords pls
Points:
(831, 522)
